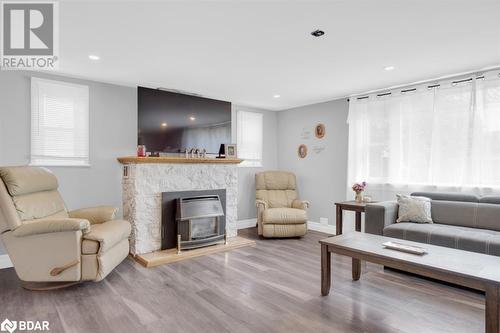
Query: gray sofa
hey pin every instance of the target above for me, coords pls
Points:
(462, 221)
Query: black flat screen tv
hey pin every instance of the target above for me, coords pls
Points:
(170, 122)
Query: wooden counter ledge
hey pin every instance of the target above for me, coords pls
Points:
(170, 159)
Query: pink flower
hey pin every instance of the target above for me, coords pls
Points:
(359, 187)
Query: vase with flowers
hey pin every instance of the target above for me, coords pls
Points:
(358, 188)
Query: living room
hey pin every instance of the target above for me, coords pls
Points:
(250, 166)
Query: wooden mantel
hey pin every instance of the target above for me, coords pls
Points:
(172, 159)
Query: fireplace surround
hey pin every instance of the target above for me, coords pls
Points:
(145, 179)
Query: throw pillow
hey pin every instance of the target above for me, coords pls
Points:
(414, 209)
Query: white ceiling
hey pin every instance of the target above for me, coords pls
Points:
(248, 51)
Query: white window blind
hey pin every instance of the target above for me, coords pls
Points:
(249, 138)
(59, 123)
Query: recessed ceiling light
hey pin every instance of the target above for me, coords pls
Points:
(164, 124)
(192, 118)
(94, 57)
(389, 68)
(276, 96)
(317, 33)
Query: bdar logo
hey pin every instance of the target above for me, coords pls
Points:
(8, 326)
(24, 325)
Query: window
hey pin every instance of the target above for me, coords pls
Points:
(249, 138)
(59, 123)
(428, 139)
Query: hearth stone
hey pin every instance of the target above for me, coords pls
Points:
(143, 185)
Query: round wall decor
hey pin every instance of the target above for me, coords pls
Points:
(319, 131)
(302, 151)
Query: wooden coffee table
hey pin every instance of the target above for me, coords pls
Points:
(469, 269)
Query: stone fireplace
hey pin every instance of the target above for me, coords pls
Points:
(145, 179)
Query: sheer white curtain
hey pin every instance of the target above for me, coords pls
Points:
(438, 139)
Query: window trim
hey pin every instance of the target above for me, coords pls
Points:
(66, 161)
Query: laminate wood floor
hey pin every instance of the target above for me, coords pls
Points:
(273, 287)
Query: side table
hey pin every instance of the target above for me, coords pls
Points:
(357, 207)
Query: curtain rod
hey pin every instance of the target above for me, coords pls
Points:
(385, 92)
(428, 87)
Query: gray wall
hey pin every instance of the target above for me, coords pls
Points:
(113, 133)
(246, 176)
(321, 176)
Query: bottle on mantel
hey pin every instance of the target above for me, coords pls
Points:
(141, 149)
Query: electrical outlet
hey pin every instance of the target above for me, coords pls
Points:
(323, 220)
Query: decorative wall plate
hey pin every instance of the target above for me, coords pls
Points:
(319, 131)
(302, 151)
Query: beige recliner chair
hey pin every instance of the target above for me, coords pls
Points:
(279, 212)
(49, 246)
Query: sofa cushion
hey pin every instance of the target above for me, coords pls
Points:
(51, 225)
(97, 267)
(90, 246)
(488, 216)
(276, 188)
(95, 215)
(24, 180)
(9, 218)
(107, 234)
(454, 212)
(284, 230)
(275, 180)
(448, 196)
(491, 199)
(45, 204)
(90, 267)
(458, 237)
(277, 198)
(284, 216)
(414, 209)
(112, 258)
(465, 210)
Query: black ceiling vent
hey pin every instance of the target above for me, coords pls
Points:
(318, 33)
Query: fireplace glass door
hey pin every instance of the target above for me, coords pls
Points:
(204, 227)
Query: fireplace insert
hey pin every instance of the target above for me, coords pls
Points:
(198, 222)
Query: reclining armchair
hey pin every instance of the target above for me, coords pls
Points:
(49, 246)
(279, 212)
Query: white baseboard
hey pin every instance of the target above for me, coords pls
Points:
(5, 261)
(243, 224)
(326, 228)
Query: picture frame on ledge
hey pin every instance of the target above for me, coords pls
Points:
(228, 151)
